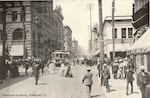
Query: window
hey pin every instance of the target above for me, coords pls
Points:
(23, 14)
(130, 32)
(14, 16)
(123, 32)
(18, 34)
(115, 32)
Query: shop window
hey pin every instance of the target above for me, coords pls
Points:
(123, 32)
(130, 32)
(18, 34)
(14, 16)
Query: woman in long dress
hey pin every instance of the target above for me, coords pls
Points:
(52, 68)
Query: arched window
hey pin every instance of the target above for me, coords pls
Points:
(18, 34)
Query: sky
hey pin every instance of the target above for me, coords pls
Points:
(77, 15)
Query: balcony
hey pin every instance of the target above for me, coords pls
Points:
(141, 16)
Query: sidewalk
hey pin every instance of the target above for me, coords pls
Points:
(118, 90)
(9, 82)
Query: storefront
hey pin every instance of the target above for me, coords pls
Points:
(17, 51)
(140, 51)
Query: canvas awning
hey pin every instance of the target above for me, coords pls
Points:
(17, 50)
(141, 45)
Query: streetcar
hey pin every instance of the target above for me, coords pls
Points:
(59, 56)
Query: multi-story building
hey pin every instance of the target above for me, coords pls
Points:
(139, 51)
(123, 35)
(75, 47)
(30, 27)
(95, 41)
(67, 38)
(59, 27)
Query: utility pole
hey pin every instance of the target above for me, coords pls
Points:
(4, 35)
(90, 9)
(113, 29)
(101, 32)
(149, 13)
(91, 26)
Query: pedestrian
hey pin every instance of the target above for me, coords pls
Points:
(68, 72)
(62, 69)
(26, 65)
(130, 79)
(141, 80)
(87, 80)
(115, 69)
(42, 65)
(106, 77)
(52, 67)
(147, 90)
(36, 68)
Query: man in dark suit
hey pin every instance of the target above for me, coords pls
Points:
(36, 68)
(141, 80)
(87, 79)
(147, 90)
(130, 78)
(106, 77)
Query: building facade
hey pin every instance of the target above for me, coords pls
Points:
(67, 38)
(123, 35)
(30, 28)
(139, 51)
(59, 27)
(75, 48)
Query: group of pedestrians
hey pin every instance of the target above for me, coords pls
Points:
(104, 72)
(9, 71)
(65, 70)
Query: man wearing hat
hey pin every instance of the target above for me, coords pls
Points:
(87, 79)
(141, 80)
(36, 72)
(106, 77)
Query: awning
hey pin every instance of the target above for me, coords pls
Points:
(17, 50)
(141, 45)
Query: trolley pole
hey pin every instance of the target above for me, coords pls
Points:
(113, 29)
(101, 32)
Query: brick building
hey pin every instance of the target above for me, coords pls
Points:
(31, 28)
